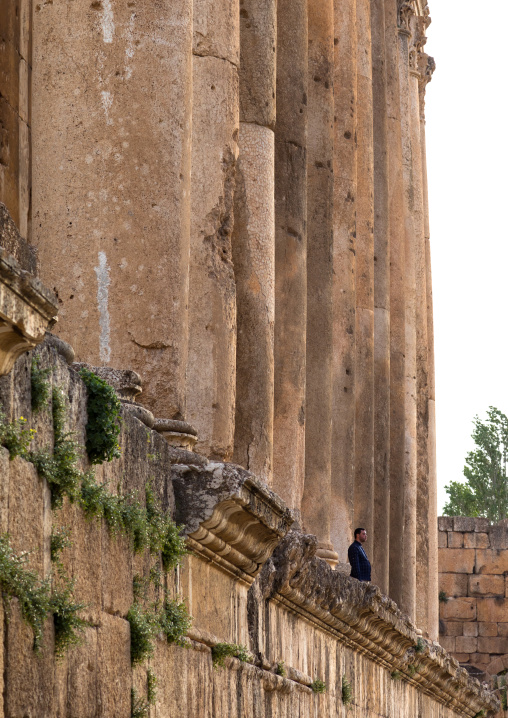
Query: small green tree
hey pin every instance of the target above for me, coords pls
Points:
(485, 492)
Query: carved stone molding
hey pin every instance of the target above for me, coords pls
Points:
(177, 433)
(426, 66)
(228, 513)
(360, 616)
(416, 44)
(406, 9)
(26, 309)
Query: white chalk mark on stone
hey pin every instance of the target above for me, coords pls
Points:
(107, 102)
(108, 26)
(103, 282)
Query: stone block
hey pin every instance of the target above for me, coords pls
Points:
(491, 561)
(476, 540)
(498, 537)
(116, 572)
(461, 657)
(454, 628)
(445, 523)
(466, 644)
(77, 679)
(480, 659)
(492, 610)
(29, 678)
(463, 523)
(486, 585)
(453, 584)
(442, 539)
(459, 609)
(114, 667)
(481, 525)
(487, 629)
(495, 666)
(490, 644)
(459, 560)
(448, 643)
(455, 539)
(26, 513)
(470, 629)
(502, 629)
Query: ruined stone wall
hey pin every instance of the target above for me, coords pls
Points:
(230, 199)
(473, 564)
(249, 580)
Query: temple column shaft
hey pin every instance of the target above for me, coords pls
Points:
(364, 361)
(427, 66)
(111, 181)
(397, 304)
(381, 547)
(254, 240)
(417, 209)
(290, 251)
(211, 370)
(316, 507)
(344, 267)
(410, 470)
(15, 122)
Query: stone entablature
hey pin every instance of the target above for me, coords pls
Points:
(473, 576)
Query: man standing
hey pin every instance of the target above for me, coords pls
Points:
(360, 564)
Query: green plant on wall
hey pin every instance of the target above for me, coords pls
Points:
(222, 650)
(103, 425)
(318, 686)
(15, 436)
(40, 388)
(347, 691)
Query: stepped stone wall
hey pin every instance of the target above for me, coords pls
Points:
(473, 573)
(250, 579)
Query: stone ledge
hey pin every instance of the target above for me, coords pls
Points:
(235, 520)
(26, 308)
(227, 512)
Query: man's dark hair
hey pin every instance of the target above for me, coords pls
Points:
(357, 531)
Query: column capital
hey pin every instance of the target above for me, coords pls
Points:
(406, 9)
(417, 43)
(426, 67)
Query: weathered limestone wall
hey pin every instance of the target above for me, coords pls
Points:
(248, 580)
(473, 569)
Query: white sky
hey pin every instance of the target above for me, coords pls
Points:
(467, 160)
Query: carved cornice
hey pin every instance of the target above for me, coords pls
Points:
(417, 43)
(226, 511)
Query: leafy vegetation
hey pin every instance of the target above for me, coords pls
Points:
(103, 426)
(37, 599)
(40, 388)
(280, 668)
(144, 627)
(222, 650)
(60, 539)
(485, 491)
(420, 646)
(443, 597)
(396, 675)
(174, 621)
(15, 436)
(318, 686)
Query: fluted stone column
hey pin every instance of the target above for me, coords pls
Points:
(397, 304)
(344, 277)
(364, 361)
(426, 68)
(408, 542)
(290, 251)
(316, 506)
(15, 121)
(211, 370)
(422, 510)
(254, 240)
(381, 547)
(111, 183)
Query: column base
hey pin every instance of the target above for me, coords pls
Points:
(326, 553)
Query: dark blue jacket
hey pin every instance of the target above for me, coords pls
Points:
(360, 564)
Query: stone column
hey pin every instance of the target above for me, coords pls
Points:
(408, 538)
(397, 304)
(344, 278)
(364, 360)
(111, 181)
(15, 121)
(211, 370)
(422, 508)
(426, 68)
(254, 240)
(290, 251)
(381, 547)
(316, 507)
